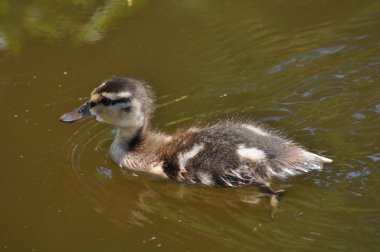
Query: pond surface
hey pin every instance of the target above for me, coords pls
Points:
(309, 68)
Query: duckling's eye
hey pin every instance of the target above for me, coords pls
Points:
(105, 101)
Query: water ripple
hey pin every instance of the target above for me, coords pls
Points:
(300, 60)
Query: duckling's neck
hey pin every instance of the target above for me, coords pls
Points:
(136, 148)
(129, 138)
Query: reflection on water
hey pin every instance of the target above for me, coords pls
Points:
(301, 60)
(83, 22)
(308, 69)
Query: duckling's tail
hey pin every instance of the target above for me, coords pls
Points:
(317, 157)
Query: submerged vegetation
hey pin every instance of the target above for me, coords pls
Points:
(86, 22)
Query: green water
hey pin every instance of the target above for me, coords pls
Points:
(309, 68)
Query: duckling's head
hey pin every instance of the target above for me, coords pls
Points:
(121, 101)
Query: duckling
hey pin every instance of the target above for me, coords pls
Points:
(223, 154)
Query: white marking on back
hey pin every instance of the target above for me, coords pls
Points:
(253, 153)
(256, 130)
(184, 157)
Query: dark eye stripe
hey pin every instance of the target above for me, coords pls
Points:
(106, 101)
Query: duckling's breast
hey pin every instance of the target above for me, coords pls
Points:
(142, 156)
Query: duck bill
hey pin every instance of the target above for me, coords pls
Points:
(80, 113)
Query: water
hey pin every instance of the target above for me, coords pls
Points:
(311, 69)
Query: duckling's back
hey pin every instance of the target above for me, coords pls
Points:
(231, 154)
